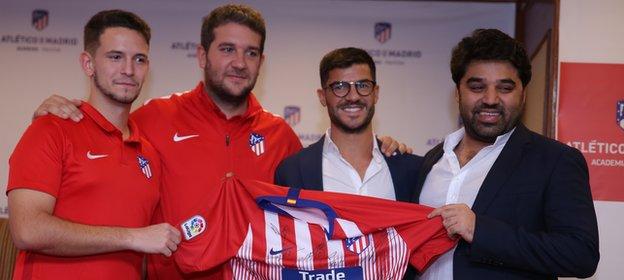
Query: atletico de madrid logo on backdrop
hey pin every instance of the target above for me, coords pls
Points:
(292, 115)
(145, 167)
(383, 31)
(256, 143)
(357, 244)
(40, 19)
(619, 116)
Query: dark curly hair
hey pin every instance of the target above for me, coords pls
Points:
(488, 45)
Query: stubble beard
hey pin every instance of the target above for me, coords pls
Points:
(335, 120)
(127, 100)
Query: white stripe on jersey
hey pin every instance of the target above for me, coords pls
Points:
(273, 242)
(305, 257)
(335, 253)
(350, 228)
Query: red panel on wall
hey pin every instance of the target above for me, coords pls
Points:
(591, 119)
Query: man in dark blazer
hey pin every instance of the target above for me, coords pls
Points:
(520, 203)
(304, 170)
(348, 155)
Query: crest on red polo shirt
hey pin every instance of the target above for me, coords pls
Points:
(256, 143)
(144, 166)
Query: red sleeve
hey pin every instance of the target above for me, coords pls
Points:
(37, 161)
(294, 145)
(142, 115)
(147, 118)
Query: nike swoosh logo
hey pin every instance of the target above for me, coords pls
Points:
(273, 252)
(92, 156)
(177, 138)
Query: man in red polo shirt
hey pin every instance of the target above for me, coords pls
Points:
(82, 195)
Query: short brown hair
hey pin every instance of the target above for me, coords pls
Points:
(231, 13)
(112, 18)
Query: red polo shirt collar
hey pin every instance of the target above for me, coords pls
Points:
(107, 126)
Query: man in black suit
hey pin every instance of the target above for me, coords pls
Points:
(519, 202)
(347, 159)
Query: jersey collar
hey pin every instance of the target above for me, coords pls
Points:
(281, 204)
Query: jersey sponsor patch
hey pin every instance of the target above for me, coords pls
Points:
(193, 227)
(347, 273)
(144, 166)
(256, 143)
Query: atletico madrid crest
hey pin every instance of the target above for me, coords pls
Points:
(256, 143)
(619, 115)
(357, 244)
(40, 19)
(383, 31)
(144, 166)
(292, 115)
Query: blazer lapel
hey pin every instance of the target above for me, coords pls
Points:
(431, 158)
(397, 172)
(502, 169)
(312, 166)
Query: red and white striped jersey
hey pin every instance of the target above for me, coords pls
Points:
(262, 231)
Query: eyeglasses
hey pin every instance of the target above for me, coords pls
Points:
(342, 88)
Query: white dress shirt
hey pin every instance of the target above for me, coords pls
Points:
(340, 176)
(448, 183)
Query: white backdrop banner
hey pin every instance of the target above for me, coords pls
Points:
(40, 42)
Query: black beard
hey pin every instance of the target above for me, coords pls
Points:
(488, 135)
(224, 95)
(110, 94)
(353, 130)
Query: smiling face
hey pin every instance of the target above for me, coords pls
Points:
(491, 98)
(232, 62)
(119, 65)
(352, 113)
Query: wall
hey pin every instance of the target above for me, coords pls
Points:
(591, 70)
